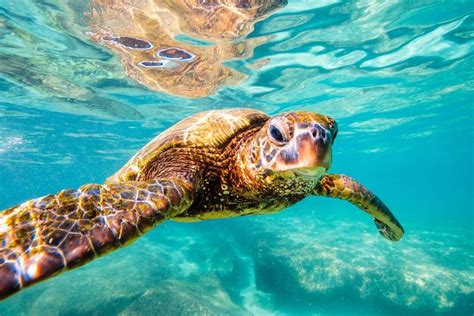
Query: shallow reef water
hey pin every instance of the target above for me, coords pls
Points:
(76, 104)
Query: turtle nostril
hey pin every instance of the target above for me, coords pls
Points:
(319, 132)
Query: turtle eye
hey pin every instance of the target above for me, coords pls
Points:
(276, 134)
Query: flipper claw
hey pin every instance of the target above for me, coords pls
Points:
(386, 232)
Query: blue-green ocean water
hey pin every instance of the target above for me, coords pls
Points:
(399, 79)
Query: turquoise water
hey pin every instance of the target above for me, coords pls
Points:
(399, 79)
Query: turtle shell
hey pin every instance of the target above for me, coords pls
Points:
(208, 132)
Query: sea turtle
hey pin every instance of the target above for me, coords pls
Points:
(216, 164)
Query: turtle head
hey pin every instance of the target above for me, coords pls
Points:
(293, 150)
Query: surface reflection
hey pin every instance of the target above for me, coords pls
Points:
(179, 47)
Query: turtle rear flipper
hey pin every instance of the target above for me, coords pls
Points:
(346, 188)
(45, 236)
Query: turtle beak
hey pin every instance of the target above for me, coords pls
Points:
(309, 153)
(314, 148)
(313, 173)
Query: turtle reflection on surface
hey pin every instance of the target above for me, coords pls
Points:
(144, 34)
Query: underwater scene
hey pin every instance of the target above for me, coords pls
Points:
(84, 85)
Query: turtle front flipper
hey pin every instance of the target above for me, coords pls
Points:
(45, 236)
(346, 188)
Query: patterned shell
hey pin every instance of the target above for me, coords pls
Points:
(209, 131)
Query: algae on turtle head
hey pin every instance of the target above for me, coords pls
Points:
(215, 164)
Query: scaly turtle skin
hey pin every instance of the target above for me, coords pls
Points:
(214, 164)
